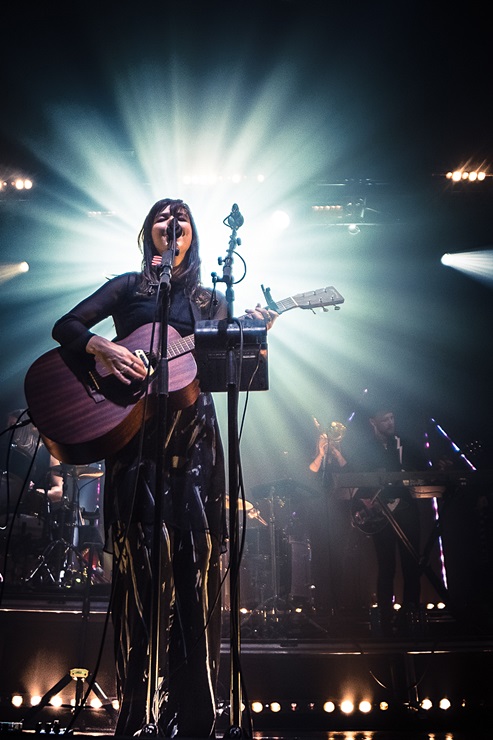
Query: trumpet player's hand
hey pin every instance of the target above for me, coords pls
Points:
(323, 444)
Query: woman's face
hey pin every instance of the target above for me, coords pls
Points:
(160, 237)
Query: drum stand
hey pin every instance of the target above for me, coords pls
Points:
(278, 616)
(62, 562)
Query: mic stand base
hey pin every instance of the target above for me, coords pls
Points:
(233, 732)
(148, 729)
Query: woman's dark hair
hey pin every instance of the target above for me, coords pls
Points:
(189, 270)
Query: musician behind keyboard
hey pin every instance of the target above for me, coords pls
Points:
(376, 447)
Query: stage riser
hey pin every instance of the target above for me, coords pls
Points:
(37, 649)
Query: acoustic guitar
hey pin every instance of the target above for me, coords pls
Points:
(84, 413)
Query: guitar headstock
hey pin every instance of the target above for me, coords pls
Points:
(312, 299)
(320, 298)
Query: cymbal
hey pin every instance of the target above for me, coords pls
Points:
(77, 471)
(246, 505)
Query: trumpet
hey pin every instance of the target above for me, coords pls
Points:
(335, 432)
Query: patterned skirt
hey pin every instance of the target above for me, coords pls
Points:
(191, 538)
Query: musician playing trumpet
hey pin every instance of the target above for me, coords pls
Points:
(329, 448)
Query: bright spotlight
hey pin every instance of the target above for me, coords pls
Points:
(280, 220)
(444, 703)
(17, 700)
(275, 706)
(9, 271)
(329, 707)
(257, 707)
(478, 264)
(364, 706)
(353, 229)
(35, 700)
(347, 706)
(426, 704)
(56, 701)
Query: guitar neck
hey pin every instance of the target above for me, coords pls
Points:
(313, 299)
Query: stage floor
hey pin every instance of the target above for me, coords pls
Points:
(293, 662)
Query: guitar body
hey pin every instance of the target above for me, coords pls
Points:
(84, 413)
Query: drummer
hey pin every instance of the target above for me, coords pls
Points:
(23, 456)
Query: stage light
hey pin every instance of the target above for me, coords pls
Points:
(275, 707)
(347, 706)
(477, 264)
(280, 220)
(35, 700)
(56, 701)
(353, 229)
(15, 183)
(426, 704)
(257, 707)
(96, 703)
(365, 706)
(444, 703)
(21, 183)
(467, 175)
(329, 707)
(17, 700)
(9, 271)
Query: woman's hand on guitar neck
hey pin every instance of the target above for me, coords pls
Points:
(117, 359)
(264, 314)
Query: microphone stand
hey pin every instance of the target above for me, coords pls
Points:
(164, 290)
(234, 221)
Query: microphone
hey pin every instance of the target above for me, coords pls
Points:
(235, 219)
(173, 229)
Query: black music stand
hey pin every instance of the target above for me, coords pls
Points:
(231, 356)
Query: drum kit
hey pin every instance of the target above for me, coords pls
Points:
(50, 537)
(275, 567)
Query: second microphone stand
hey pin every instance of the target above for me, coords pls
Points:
(234, 221)
(152, 705)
